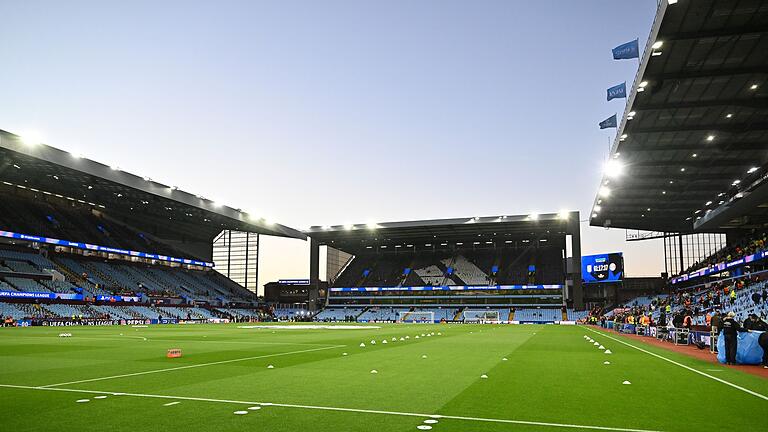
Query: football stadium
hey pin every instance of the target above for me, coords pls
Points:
(132, 305)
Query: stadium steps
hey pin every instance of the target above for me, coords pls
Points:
(365, 309)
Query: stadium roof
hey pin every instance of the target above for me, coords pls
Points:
(694, 134)
(42, 168)
(356, 238)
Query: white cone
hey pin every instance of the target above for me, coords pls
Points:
(373, 342)
(601, 347)
(626, 382)
(344, 354)
(484, 376)
(424, 356)
(439, 334)
(402, 339)
(270, 367)
(394, 339)
(384, 341)
(591, 340)
(608, 351)
(417, 337)
(606, 362)
(362, 345)
(428, 335)
(504, 359)
(407, 337)
(422, 335)
(374, 371)
(596, 344)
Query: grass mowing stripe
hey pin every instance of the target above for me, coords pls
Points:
(326, 408)
(152, 339)
(720, 380)
(192, 366)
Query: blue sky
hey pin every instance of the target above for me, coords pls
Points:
(327, 112)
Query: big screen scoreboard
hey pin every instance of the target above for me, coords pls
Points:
(602, 267)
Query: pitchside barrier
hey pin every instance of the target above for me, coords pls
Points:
(67, 322)
(748, 351)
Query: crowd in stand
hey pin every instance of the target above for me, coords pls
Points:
(730, 253)
(687, 308)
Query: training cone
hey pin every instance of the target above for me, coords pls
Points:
(626, 383)
(606, 362)
(270, 367)
(417, 337)
(608, 351)
(402, 339)
(374, 371)
(344, 354)
(407, 337)
(423, 356)
(484, 376)
(601, 347)
(373, 342)
(384, 341)
(596, 344)
(362, 345)
(504, 359)
(394, 339)
(439, 334)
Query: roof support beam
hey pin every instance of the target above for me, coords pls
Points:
(735, 32)
(757, 102)
(735, 128)
(706, 73)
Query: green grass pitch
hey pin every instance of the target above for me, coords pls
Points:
(552, 380)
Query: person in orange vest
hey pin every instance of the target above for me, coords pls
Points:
(687, 321)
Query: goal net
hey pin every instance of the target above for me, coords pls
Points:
(416, 317)
(481, 316)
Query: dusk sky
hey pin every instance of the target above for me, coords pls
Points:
(328, 112)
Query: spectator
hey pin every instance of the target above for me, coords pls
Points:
(753, 322)
(731, 328)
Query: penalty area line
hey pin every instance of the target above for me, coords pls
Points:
(192, 366)
(337, 409)
(720, 380)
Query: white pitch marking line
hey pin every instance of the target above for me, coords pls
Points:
(172, 403)
(339, 409)
(193, 366)
(720, 380)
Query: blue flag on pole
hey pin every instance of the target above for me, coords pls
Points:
(610, 122)
(628, 50)
(618, 91)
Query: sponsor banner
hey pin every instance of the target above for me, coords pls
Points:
(135, 321)
(107, 249)
(293, 281)
(165, 321)
(451, 288)
(118, 298)
(85, 322)
(39, 295)
(720, 267)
